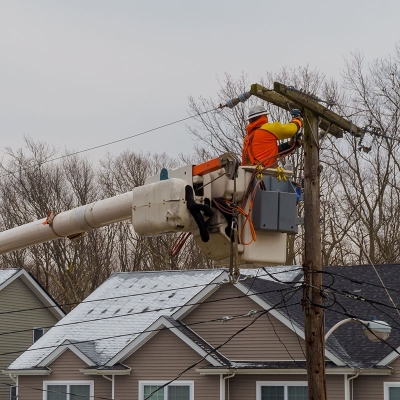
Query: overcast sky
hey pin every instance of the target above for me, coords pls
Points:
(77, 74)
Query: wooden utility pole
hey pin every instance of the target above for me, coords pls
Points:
(315, 116)
(312, 298)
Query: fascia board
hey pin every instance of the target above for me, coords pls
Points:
(259, 371)
(284, 320)
(42, 295)
(389, 358)
(140, 340)
(16, 372)
(201, 296)
(105, 372)
(60, 350)
(192, 344)
(136, 343)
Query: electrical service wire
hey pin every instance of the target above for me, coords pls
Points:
(205, 285)
(137, 313)
(133, 333)
(115, 141)
(261, 313)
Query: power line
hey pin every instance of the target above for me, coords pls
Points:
(270, 274)
(214, 350)
(142, 312)
(116, 141)
(122, 335)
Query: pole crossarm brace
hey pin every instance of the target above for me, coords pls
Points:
(306, 101)
(283, 102)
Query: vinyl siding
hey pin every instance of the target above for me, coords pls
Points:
(64, 368)
(244, 386)
(17, 296)
(162, 358)
(266, 339)
(371, 387)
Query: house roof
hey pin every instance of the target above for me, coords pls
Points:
(8, 275)
(115, 319)
(118, 312)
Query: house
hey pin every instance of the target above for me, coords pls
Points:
(194, 335)
(27, 311)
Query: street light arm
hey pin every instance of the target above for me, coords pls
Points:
(340, 323)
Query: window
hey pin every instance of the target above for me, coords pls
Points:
(37, 334)
(391, 390)
(282, 391)
(178, 390)
(13, 393)
(68, 390)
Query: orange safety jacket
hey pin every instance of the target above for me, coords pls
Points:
(261, 142)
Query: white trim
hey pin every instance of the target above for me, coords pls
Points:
(389, 358)
(159, 383)
(68, 383)
(33, 333)
(198, 299)
(285, 384)
(37, 290)
(284, 320)
(386, 386)
(17, 372)
(60, 350)
(141, 339)
(101, 372)
(297, 371)
(12, 278)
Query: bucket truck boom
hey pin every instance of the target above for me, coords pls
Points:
(201, 199)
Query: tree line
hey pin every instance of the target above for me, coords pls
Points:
(360, 196)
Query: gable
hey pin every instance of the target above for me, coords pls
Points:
(266, 339)
(167, 352)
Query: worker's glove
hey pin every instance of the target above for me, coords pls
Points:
(297, 140)
(298, 121)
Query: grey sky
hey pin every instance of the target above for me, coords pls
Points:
(82, 73)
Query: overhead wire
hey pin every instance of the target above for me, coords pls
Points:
(131, 333)
(205, 285)
(117, 141)
(216, 348)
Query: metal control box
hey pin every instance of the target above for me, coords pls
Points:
(275, 209)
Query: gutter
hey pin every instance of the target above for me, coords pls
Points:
(298, 371)
(17, 372)
(103, 372)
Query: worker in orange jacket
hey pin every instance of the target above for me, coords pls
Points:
(261, 142)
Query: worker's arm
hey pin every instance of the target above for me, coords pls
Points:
(283, 131)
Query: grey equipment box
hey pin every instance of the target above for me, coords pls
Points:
(275, 209)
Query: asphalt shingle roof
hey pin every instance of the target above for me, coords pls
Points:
(117, 312)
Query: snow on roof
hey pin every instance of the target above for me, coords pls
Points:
(117, 312)
(289, 273)
(6, 274)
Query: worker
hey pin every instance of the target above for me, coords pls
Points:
(261, 142)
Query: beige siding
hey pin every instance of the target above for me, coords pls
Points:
(335, 387)
(162, 358)
(64, 368)
(244, 386)
(17, 296)
(371, 387)
(266, 339)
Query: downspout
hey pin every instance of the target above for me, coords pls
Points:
(347, 388)
(222, 380)
(112, 384)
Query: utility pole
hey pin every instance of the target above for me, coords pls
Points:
(316, 116)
